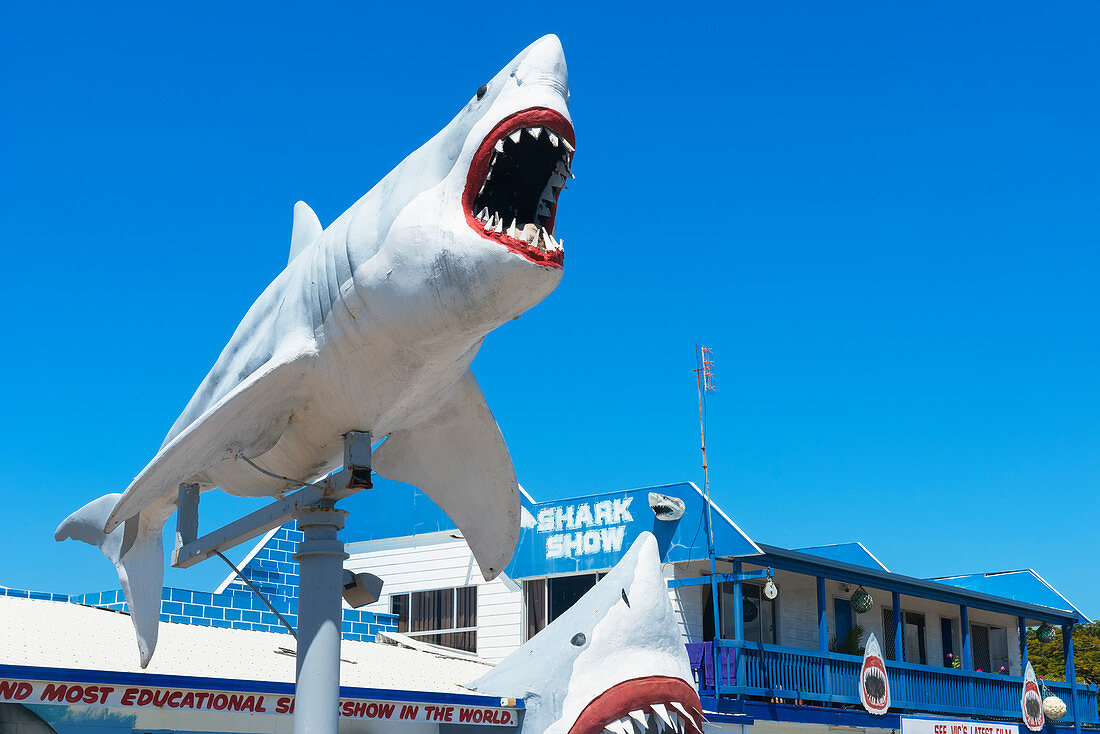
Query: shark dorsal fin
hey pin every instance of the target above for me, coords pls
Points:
(307, 228)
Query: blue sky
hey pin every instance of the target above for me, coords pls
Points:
(881, 216)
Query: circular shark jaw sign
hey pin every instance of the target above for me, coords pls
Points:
(1031, 702)
(874, 684)
(655, 703)
(515, 178)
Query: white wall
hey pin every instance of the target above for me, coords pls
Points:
(439, 561)
(688, 601)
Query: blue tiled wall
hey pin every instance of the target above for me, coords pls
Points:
(272, 570)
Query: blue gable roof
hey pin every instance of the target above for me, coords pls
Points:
(853, 553)
(1023, 585)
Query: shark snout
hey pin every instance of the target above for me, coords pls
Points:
(544, 63)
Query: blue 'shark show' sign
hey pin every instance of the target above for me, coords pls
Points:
(591, 533)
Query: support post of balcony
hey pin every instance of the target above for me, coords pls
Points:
(738, 622)
(1071, 674)
(899, 629)
(716, 652)
(967, 662)
(1022, 625)
(823, 635)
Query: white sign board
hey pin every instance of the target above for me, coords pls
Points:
(945, 726)
(237, 702)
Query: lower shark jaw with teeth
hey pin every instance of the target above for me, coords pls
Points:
(515, 178)
(655, 704)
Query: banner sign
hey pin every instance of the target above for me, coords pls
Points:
(874, 684)
(935, 726)
(236, 702)
(1031, 703)
(591, 533)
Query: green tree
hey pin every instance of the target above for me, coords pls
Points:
(1049, 660)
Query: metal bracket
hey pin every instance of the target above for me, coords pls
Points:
(352, 478)
(723, 578)
(357, 452)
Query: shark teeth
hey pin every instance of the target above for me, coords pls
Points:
(657, 718)
(506, 193)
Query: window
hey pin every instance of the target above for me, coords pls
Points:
(547, 599)
(534, 600)
(446, 617)
(989, 648)
(913, 639)
(947, 640)
(758, 614)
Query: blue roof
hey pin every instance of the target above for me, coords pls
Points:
(854, 553)
(1023, 585)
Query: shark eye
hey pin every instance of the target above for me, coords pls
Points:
(482, 90)
(579, 639)
(625, 599)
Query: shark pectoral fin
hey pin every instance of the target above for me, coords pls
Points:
(459, 459)
(250, 419)
(306, 229)
(137, 551)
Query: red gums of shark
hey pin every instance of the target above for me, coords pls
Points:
(532, 117)
(637, 694)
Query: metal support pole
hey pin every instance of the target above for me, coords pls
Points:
(717, 614)
(739, 623)
(822, 619)
(964, 623)
(968, 660)
(1021, 623)
(899, 629)
(320, 560)
(1071, 674)
(823, 635)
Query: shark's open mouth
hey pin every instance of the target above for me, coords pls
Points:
(874, 684)
(515, 179)
(656, 704)
(1033, 704)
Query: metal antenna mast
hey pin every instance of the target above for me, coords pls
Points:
(704, 378)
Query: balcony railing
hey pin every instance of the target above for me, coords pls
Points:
(797, 675)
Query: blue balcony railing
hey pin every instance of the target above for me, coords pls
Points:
(798, 676)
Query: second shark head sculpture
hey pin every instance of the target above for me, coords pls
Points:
(372, 326)
(615, 660)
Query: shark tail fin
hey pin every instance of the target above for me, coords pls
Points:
(307, 228)
(136, 549)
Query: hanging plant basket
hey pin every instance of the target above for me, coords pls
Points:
(1046, 633)
(748, 610)
(861, 602)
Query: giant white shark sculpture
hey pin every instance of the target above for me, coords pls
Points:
(372, 327)
(614, 661)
